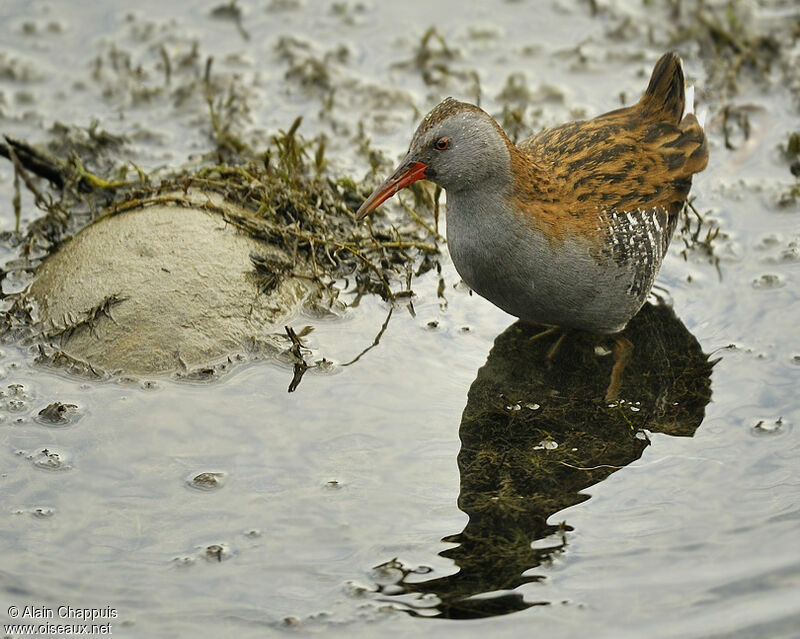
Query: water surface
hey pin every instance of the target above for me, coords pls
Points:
(698, 537)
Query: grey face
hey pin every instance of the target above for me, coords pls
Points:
(463, 151)
(459, 147)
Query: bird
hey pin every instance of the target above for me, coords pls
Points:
(569, 227)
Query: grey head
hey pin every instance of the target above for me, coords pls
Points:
(458, 146)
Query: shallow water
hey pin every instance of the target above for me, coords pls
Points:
(696, 538)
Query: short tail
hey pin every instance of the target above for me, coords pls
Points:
(665, 93)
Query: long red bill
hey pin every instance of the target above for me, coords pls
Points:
(405, 175)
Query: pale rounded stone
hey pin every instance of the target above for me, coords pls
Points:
(162, 289)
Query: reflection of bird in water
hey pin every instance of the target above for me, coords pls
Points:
(568, 228)
(533, 438)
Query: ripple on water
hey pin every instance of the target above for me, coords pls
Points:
(207, 480)
(47, 459)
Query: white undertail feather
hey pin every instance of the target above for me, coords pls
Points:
(701, 117)
(689, 101)
(689, 108)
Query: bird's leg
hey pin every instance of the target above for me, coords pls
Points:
(549, 330)
(551, 353)
(623, 348)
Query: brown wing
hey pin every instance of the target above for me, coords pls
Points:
(639, 157)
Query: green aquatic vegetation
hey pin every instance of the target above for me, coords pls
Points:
(736, 40)
(291, 200)
(791, 152)
(432, 58)
(790, 197)
(376, 158)
(698, 234)
(313, 72)
(738, 43)
(792, 148)
(726, 30)
(435, 61)
(233, 13)
(282, 195)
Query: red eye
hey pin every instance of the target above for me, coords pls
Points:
(442, 143)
